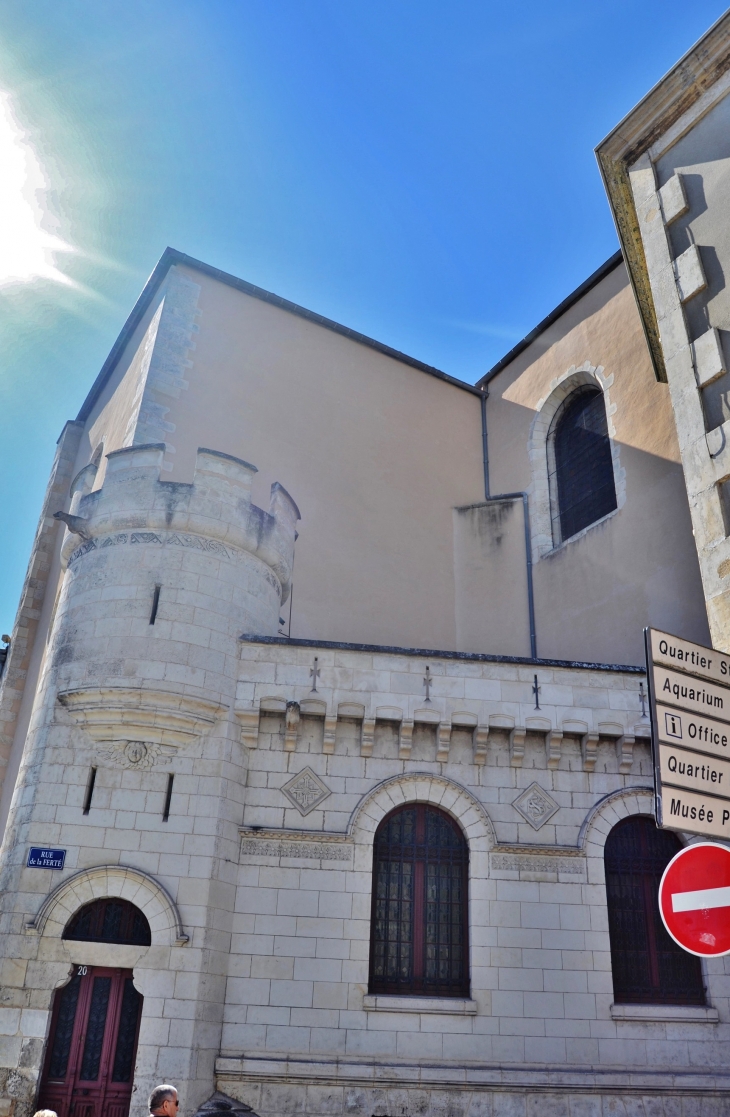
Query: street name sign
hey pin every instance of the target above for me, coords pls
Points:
(689, 698)
(694, 899)
(39, 858)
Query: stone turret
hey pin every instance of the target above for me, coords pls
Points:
(136, 704)
(161, 579)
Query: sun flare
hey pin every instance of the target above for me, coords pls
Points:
(27, 248)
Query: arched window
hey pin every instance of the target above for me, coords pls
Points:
(419, 929)
(648, 966)
(109, 920)
(580, 465)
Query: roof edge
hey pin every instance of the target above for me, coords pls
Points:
(587, 285)
(431, 653)
(173, 256)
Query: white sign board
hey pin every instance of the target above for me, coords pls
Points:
(689, 692)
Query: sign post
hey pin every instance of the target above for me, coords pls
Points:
(689, 697)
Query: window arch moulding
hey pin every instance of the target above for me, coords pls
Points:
(543, 502)
(110, 881)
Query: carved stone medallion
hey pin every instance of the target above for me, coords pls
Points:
(306, 791)
(535, 806)
(136, 754)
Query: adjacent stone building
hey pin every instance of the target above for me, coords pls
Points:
(326, 753)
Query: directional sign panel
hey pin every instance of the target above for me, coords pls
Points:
(689, 691)
(702, 773)
(694, 899)
(693, 731)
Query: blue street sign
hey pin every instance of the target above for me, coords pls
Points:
(45, 858)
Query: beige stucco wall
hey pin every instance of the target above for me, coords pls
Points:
(594, 594)
(379, 454)
(374, 452)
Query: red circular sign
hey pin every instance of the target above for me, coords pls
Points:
(694, 899)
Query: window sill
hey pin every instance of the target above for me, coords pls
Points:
(665, 1012)
(453, 1006)
(579, 534)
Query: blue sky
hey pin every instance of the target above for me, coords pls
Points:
(422, 172)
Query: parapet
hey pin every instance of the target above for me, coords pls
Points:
(216, 506)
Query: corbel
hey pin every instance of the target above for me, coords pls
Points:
(481, 736)
(292, 726)
(330, 732)
(367, 739)
(625, 752)
(444, 742)
(405, 739)
(249, 720)
(589, 749)
(517, 746)
(553, 745)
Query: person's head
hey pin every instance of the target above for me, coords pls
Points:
(45, 1113)
(163, 1101)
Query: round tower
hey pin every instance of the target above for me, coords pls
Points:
(137, 694)
(163, 577)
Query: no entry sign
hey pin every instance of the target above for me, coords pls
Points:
(694, 899)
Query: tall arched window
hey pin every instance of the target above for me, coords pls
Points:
(580, 465)
(419, 930)
(648, 966)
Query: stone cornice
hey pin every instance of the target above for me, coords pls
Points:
(661, 109)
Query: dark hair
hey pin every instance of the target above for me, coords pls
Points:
(159, 1096)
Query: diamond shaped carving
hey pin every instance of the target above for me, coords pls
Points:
(306, 791)
(535, 806)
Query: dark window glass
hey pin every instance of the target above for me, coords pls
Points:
(95, 1029)
(583, 466)
(69, 998)
(419, 915)
(109, 921)
(127, 1035)
(648, 966)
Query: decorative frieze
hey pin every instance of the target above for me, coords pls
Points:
(296, 844)
(537, 863)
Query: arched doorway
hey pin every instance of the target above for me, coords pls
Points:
(89, 1064)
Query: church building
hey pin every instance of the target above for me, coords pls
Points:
(327, 787)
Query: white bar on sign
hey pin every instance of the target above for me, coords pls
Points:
(701, 900)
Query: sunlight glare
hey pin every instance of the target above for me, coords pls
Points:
(27, 249)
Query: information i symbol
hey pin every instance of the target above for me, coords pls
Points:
(673, 725)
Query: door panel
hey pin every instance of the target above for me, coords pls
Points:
(92, 1045)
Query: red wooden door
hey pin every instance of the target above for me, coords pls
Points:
(92, 1045)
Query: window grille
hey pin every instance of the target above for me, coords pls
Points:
(648, 966)
(582, 464)
(109, 920)
(419, 927)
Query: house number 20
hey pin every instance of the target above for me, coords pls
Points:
(82, 971)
